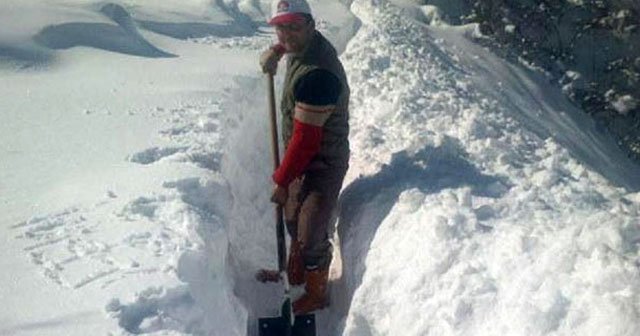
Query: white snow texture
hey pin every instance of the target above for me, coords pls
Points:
(135, 179)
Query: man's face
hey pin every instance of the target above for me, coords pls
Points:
(294, 36)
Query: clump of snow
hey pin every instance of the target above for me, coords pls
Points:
(510, 28)
(433, 15)
(622, 103)
(625, 103)
(154, 154)
(572, 81)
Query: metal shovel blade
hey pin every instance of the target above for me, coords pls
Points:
(305, 325)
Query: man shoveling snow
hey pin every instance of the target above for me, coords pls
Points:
(314, 110)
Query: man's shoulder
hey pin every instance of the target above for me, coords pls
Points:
(319, 75)
(318, 86)
(326, 47)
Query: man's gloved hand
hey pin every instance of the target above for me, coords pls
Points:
(280, 195)
(270, 58)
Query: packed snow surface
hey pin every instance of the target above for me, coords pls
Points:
(135, 178)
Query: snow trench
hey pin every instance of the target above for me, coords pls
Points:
(247, 165)
(457, 217)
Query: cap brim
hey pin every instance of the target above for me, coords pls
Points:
(286, 18)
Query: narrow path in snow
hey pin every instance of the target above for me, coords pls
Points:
(247, 164)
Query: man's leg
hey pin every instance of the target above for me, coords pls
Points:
(316, 214)
(295, 265)
(319, 198)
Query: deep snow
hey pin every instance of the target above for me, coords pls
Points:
(135, 179)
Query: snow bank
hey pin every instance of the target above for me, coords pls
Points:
(460, 218)
(130, 145)
(173, 238)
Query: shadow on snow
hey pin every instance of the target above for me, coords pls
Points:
(97, 35)
(188, 30)
(24, 56)
(124, 37)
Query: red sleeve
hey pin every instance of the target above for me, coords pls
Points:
(304, 144)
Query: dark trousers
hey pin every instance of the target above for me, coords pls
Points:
(310, 213)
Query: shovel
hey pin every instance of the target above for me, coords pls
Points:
(286, 324)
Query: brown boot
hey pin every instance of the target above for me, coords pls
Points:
(316, 292)
(295, 265)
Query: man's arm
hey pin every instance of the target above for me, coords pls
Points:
(316, 96)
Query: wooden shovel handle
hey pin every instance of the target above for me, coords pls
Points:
(282, 253)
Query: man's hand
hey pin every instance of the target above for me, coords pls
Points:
(280, 195)
(270, 58)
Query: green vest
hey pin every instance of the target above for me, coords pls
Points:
(334, 150)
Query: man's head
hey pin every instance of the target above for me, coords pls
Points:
(294, 24)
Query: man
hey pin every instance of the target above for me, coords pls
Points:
(315, 124)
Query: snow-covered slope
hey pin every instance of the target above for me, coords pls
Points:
(135, 179)
(474, 215)
(110, 188)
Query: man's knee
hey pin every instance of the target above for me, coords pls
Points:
(314, 220)
(318, 256)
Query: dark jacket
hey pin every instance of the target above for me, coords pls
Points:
(320, 54)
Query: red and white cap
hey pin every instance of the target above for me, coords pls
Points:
(287, 11)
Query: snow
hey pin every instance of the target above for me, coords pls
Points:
(135, 179)
(624, 104)
(510, 28)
